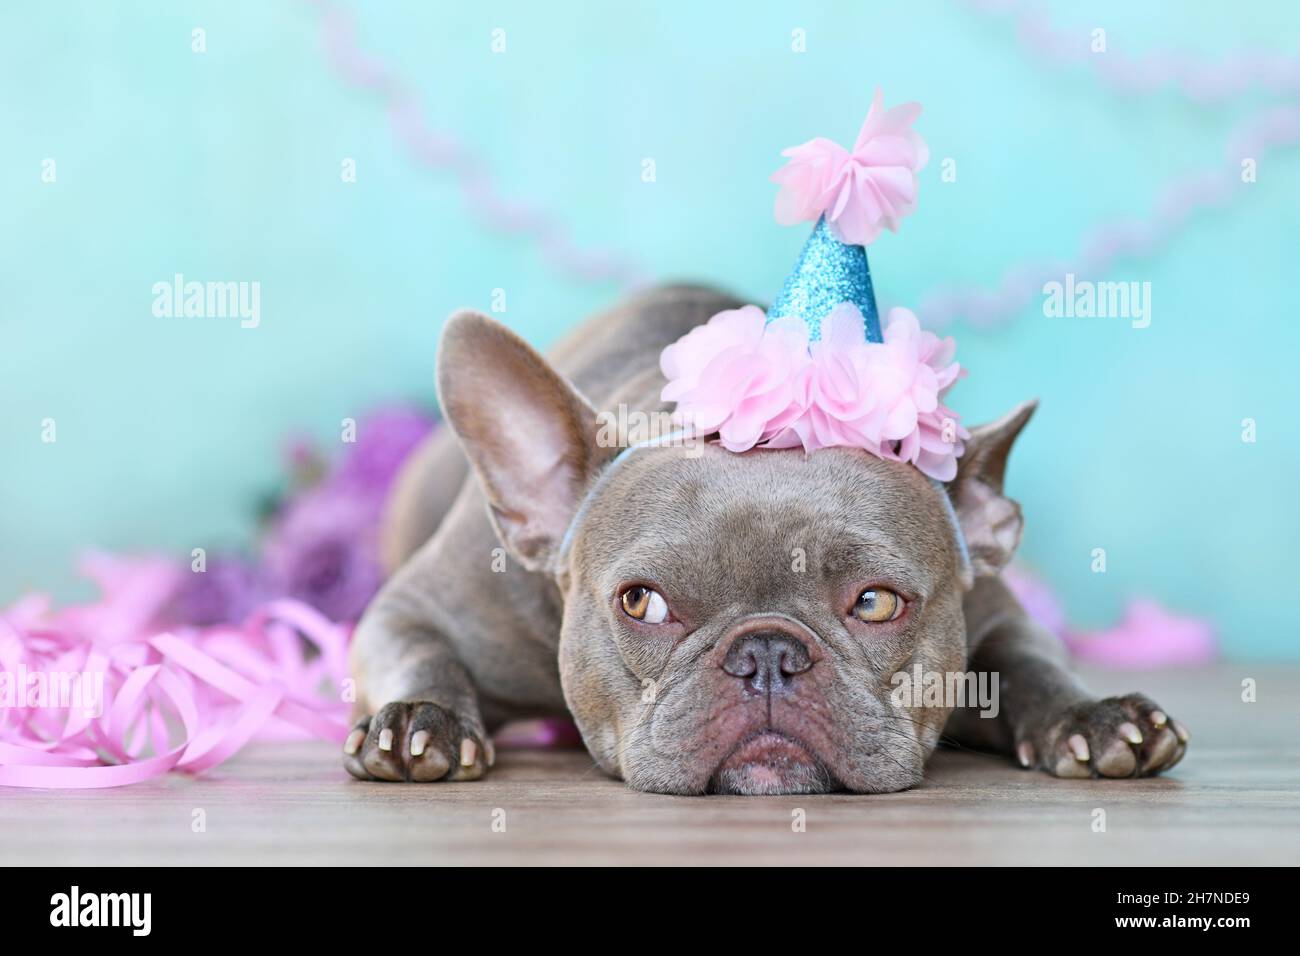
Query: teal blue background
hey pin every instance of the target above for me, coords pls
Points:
(226, 165)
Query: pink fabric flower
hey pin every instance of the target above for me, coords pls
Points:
(836, 390)
(884, 398)
(735, 375)
(859, 192)
(915, 369)
(759, 384)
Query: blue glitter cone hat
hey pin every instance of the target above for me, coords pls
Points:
(829, 272)
(819, 369)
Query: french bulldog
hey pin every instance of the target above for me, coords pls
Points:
(713, 622)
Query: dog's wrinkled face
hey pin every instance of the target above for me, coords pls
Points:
(733, 622)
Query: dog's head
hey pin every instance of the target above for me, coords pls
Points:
(732, 623)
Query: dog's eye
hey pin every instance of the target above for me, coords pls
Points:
(877, 605)
(643, 604)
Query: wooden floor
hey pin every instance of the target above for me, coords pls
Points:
(1234, 799)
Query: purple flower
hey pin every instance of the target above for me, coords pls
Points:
(224, 593)
(322, 549)
(385, 438)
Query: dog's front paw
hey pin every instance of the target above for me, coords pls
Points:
(1125, 736)
(419, 742)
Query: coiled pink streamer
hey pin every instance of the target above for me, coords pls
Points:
(172, 699)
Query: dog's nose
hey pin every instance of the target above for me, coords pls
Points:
(767, 660)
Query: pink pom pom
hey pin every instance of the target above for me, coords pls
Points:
(859, 192)
(759, 384)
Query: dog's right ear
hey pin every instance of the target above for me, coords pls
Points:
(529, 435)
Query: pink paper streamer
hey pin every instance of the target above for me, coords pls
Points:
(182, 699)
(1189, 75)
(438, 150)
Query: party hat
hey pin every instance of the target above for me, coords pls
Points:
(829, 272)
(818, 370)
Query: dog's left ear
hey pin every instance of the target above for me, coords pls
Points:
(990, 521)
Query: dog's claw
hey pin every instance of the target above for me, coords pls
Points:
(1025, 754)
(1079, 747)
(1129, 732)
